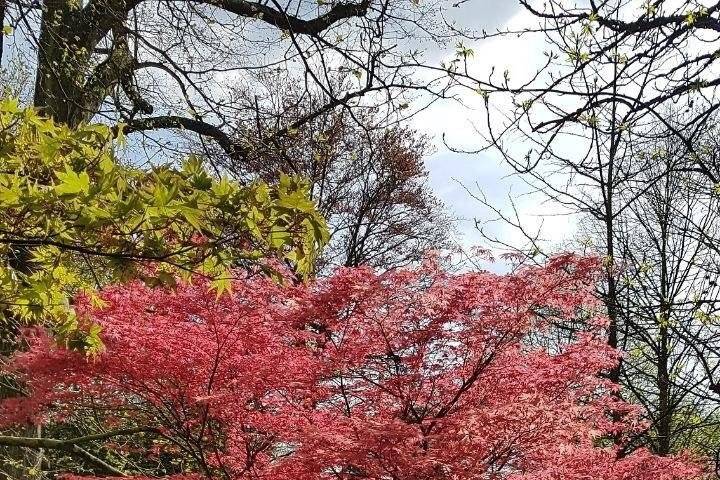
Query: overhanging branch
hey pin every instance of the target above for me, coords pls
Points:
(285, 21)
(183, 123)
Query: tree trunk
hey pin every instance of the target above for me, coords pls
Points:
(2, 33)
(56, 81)
(665, 412)
(69, 86)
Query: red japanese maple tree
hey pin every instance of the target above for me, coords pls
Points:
(411, 374)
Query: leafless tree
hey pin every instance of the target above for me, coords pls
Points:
(665, 274)
(644, 58)
(368, 180)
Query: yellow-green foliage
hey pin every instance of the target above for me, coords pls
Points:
(82, 219)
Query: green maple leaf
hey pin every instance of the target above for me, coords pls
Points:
(72, 183)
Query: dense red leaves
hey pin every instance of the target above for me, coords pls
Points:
(412, 374)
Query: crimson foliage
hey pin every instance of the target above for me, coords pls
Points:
(411, 374)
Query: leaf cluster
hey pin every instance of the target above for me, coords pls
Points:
(73, 217)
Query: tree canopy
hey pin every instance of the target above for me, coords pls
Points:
(414, 373)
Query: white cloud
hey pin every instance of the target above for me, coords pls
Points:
(461, 125)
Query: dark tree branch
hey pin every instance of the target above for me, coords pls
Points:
(183, 123)
(285, 21)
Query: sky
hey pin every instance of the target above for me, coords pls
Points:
(456, 177)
